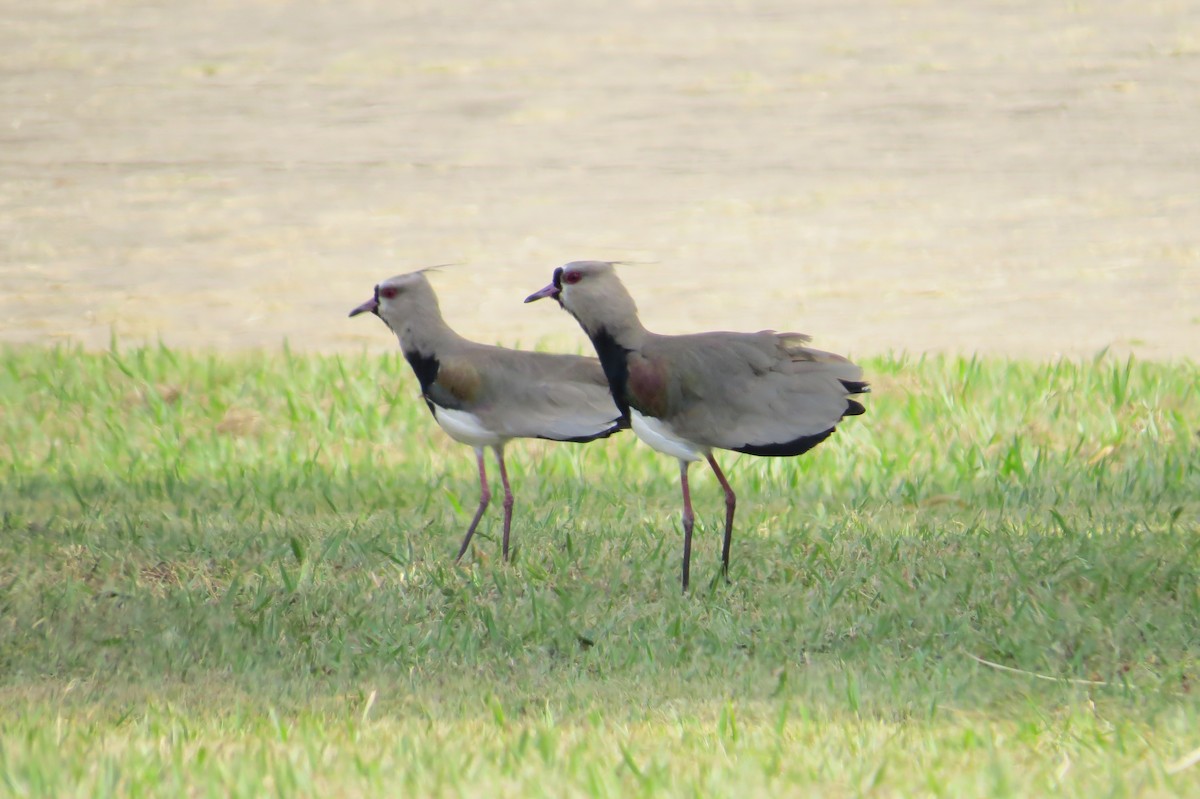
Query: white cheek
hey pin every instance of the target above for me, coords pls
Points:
(388, 315)
(574, 292)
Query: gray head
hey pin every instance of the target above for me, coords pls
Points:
(402, 302)
(592, 293)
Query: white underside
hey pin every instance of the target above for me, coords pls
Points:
(465, 427)
(659, 435)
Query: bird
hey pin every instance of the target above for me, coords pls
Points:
(484, 395)
(763, 393)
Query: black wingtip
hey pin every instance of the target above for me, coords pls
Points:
(617, 426)
(854, 408)
(856, 386)
(785, 449)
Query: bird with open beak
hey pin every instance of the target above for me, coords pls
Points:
(483, 395)
(759, 393)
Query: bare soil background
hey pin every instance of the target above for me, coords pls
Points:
(1018, 178)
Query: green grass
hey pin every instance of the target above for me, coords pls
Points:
(232, 575)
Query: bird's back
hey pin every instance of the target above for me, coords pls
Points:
(764, 393)
(525, 394)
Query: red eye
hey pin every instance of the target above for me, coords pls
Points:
(388, 292)
(572, 278)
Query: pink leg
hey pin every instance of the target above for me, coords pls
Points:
(730, 507)
(485, 496)
(508, 497)
(688, 521)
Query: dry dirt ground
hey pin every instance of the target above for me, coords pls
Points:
(1018, 178)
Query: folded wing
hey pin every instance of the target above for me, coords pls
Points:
(760, 393)
(535, 395)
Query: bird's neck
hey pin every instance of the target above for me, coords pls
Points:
(612, 318)
(616, 332)
(611, 335)
(614, 360)
(426, 332)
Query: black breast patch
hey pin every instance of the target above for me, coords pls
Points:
(613, 360)
(425, 367)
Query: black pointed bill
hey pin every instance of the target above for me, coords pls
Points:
(553, 290)
(550, 291)
(370, 306)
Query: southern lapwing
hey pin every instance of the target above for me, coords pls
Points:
(760, 393)
(484, 396)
